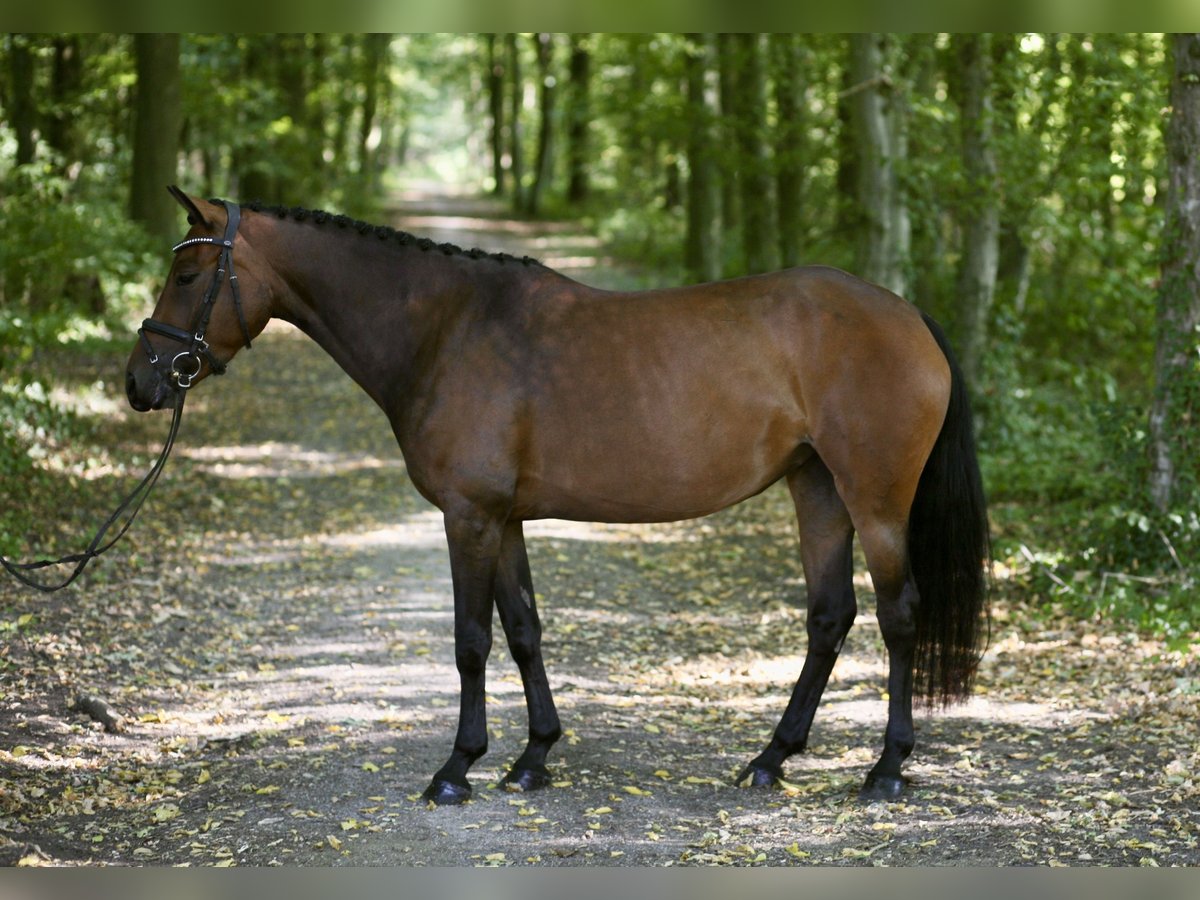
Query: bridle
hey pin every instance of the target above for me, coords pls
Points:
(184, 366)
(181, 371)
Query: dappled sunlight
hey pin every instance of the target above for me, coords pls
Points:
(277, 460)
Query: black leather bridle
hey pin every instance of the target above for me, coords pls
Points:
(184, 366)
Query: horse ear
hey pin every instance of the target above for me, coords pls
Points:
(195, 217)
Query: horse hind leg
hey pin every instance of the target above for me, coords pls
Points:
(523, 629)
(826, 541)
(896, 601)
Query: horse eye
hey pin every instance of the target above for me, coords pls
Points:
(187, 278)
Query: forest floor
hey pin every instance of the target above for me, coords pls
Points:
(276, 637)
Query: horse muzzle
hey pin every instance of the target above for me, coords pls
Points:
(148, 390)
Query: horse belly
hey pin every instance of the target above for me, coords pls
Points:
(623, 459)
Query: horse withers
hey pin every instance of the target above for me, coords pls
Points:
(516, 393)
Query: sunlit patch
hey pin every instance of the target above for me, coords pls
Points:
(278, 460)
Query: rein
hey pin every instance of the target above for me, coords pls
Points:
(181, 372)
(133, 502)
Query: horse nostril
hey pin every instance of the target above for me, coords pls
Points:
(131, 391)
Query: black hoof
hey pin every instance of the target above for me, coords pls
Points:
(882, 787)
(756, 776)
(521, 780)
(446, 793)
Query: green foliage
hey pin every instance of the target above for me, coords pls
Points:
(31, 426)
(337, 120)
(63, 253)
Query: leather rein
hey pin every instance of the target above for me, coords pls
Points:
(181, 371)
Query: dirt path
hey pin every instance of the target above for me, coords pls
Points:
(277, 636)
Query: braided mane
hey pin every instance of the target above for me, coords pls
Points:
(382, 232)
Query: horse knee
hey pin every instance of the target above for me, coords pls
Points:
(471, 650)
(524, 638)
(828, 629)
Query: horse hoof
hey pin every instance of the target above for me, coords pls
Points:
(882, 787)
(755, 776)
(446, 793)
(521, 780)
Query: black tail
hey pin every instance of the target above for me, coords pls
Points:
(949, 550)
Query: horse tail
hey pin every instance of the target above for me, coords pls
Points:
(949, 550)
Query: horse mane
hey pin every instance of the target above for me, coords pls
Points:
(382, 232)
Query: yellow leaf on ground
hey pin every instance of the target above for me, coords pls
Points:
(166, 812)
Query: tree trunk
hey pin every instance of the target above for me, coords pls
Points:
(375, 49)
(22, 113)
(66, 84)
(848, 216)
(495, 88)
(702, 247)
(156, 133)
(516, 101)
(300, 149)
(1175, 413)
(880, 129)
(759, 236)
(789, 145)
(317, 106)
(578, 119)
(731, 198)
(931, 281)
(980, 214)
(543, 43)
(255, 162)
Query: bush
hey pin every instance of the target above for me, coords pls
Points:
(63, 253)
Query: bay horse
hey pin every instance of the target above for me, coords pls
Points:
(516, 393)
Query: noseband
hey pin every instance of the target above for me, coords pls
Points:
(184, 366)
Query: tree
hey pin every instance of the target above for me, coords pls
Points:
(516, 101)
(66, 82)
(22, 110)
(727, 68)
(759, 233)
(879, 122)
(157, 119)
(1175, 413)
(789, 144)
(702, 244)
(980, 212)
(579, 116)
(495, 89)
(543, 43)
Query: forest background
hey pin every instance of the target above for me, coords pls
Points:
(1025, 189)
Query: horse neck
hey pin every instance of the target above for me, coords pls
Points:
(372, 304)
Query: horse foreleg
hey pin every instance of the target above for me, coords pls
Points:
(522, 628)
(474, 539)
(826, 541)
